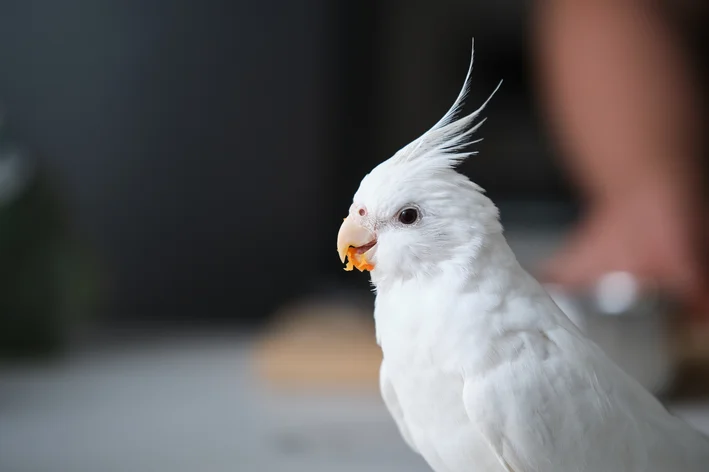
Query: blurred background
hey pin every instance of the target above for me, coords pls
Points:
(160, 162)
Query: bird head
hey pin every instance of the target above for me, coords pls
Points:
(414, 213)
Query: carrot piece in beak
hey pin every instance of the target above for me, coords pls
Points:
(357, 261)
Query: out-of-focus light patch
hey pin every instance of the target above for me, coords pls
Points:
(617, 292)
(15, 173)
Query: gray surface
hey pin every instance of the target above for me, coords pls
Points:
(184, 405)
(190, 405)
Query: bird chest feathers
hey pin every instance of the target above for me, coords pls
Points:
(425, 368)
(453, 327)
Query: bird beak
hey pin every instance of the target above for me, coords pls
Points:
(354, 235)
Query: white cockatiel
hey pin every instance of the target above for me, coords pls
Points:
(482, 371)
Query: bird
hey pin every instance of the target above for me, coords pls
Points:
(481, 370)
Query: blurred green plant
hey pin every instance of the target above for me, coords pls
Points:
(49, 283)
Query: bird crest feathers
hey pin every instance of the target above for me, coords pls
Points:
(445, 143)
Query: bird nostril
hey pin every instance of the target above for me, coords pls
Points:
(362, 212)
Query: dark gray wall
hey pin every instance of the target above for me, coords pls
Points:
(190, 138)
(209, 149)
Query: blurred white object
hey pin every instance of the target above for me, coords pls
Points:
(16, 171)
(15, 167)
(628, 323)
(617, 292)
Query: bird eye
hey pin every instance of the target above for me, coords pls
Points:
(408, 216)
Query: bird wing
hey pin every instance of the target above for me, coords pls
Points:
(392, 403)
(559, 404)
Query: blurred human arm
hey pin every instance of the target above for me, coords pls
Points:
(624, 102)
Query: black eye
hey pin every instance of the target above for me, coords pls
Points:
(408, 216)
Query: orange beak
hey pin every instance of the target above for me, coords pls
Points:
(353, 240)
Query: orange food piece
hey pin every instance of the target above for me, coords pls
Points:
(358, 261)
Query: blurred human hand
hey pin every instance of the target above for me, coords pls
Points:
(655, 234)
